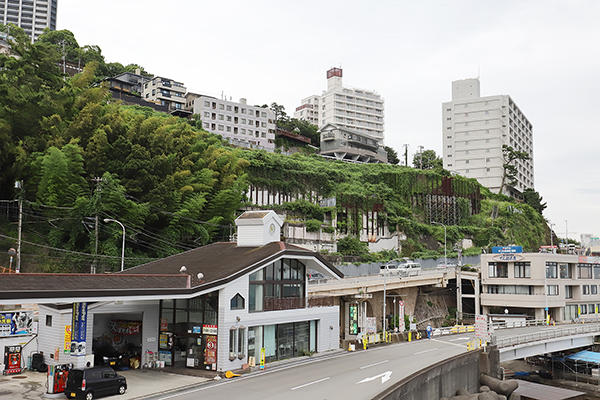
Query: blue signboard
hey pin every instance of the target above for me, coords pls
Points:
(78, 329)
(507, 249)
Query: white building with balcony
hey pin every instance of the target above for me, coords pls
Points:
(474, 130)
(358, 109)
(348, 144)
(528, 283)
(241, 124)
(166, 92)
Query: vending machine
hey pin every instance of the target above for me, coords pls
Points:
(12, 360)
(57, 377)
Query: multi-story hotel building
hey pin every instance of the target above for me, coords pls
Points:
(529, 283)
(239, 123)
(33, 16)
(474, 130)
(165, 92)
(357, 109)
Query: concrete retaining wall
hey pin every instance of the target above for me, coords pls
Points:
(442, 380)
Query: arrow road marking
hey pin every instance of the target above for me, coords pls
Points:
(384, 377)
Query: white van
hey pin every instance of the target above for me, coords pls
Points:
(405, 267)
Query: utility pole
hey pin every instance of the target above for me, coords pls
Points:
(405, 155)
(420, 156)
(98, 189)
(19, 187)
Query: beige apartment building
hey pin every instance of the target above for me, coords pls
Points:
(475, 128)
(528, 283)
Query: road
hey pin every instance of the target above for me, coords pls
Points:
(349, 375)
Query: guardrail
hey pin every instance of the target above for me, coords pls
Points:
(375, 278)
(547, 335)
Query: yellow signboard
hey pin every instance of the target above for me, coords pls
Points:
(67, 349)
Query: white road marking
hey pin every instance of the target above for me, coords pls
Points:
(384, 377)
(462, 346)
(426, 351)
(310, 383)
(372, 365)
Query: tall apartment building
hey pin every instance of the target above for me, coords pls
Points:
(166, 92)
(31, 15)
(474, 130)
(239, 123)
(357, 109)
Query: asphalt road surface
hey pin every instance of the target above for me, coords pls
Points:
(341, 375)
(347, 375)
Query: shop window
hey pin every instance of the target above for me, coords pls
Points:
(237, 302)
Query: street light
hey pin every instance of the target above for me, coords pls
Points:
(551, 237)
(123, 247)
(445, 257)
(384, 297)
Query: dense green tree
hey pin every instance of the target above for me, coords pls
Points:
(427, 160)
(392, 155)
(534, 200)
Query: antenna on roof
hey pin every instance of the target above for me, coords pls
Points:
(478, 72)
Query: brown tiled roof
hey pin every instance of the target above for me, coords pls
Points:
(54, 286)
(47, 282)
(218, 262)
(223, 262)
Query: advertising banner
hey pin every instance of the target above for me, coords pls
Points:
(79, 329)
(67, 347)
(401, 324)
(16, 323)
(210, 352)
(120, 327)
(507, 249)
(353, 328)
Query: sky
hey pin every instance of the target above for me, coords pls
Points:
(543, 53)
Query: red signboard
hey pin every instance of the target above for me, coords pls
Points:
(210, 353)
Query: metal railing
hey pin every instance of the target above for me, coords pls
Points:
(375, 278)
(547, 335)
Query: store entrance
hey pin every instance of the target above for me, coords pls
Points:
(188, 350)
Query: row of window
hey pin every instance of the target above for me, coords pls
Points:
(235, 120)
(235, 130)
(221, 106)
(553, 270)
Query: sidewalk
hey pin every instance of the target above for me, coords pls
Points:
(31, 385)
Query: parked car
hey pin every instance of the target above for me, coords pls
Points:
(94, 382)
(317, 276)
(107, 356)
(405, 267)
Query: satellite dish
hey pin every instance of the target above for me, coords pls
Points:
(182, 269)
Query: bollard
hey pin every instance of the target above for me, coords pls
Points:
(409, 335)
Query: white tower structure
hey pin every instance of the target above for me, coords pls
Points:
(474, 130)
(31, 15)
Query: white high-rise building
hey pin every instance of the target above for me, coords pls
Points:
(474, 130)
(357, 109)
(31, 15)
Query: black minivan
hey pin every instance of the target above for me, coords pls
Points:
(89, 383)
